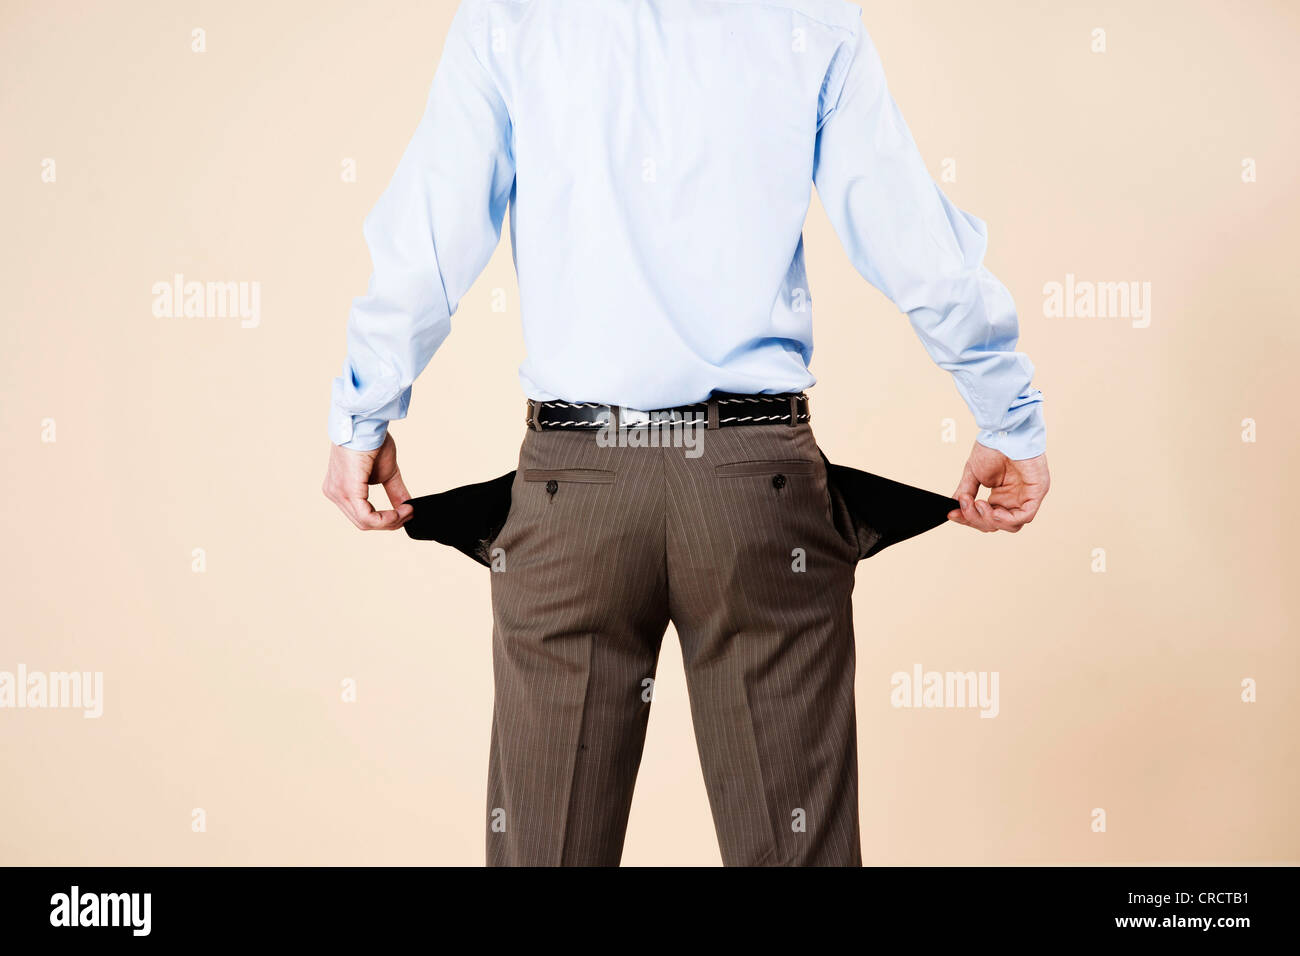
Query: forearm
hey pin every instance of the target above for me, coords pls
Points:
(969, 328)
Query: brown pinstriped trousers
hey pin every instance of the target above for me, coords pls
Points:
(740, 550)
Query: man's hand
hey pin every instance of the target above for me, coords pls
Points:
(347, 481)
(1016, 489)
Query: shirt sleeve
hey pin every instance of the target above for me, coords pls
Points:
(908, 240)
(430, 235)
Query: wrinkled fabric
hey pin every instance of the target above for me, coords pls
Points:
(657, 159)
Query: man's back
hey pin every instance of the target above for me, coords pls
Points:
(664, 159)
(657, 159)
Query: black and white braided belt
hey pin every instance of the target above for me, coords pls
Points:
(719, 411)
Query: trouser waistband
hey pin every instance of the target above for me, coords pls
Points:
(720, 410)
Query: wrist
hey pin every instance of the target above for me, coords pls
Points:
(1027, 439)
(356, 434)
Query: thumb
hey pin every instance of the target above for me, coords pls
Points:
(395, 488)
(967, 489)
(969, 484)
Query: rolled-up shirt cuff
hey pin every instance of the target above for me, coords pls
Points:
(1027, 440)
(356, 434)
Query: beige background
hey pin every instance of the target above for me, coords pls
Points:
(1119, 690)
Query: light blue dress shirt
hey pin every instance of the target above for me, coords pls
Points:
(656, 158)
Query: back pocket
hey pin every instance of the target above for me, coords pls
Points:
(742, 469)
(589, 476)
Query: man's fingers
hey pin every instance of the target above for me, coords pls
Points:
(365, 517)
(1013, 519)
(986, 516)
(395, 488)
(347, 484)
(967, 488)
(1007, 520)
(1016, 489)
(358, 509)
(969, 484)
(388, 520)
(966, 502)
(356, 505)
(973, 513)
(983, 515)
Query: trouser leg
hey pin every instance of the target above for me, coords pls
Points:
(760, 581)
(579, 611)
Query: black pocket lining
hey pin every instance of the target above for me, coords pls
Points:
(467, 518)
(883, 512)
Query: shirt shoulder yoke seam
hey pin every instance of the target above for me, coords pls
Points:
(793, 8)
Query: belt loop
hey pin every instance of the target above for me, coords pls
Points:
(713, 413)
(534, 419)
(794, 409)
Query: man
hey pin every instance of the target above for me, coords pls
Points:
(656, 157)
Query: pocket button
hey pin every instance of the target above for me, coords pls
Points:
(778, 482)
(552, 486)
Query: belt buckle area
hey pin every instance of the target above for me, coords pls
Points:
(637, 417)
(633, 417)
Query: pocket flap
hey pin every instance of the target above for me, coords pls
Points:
(789, 466)
(593, 476)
